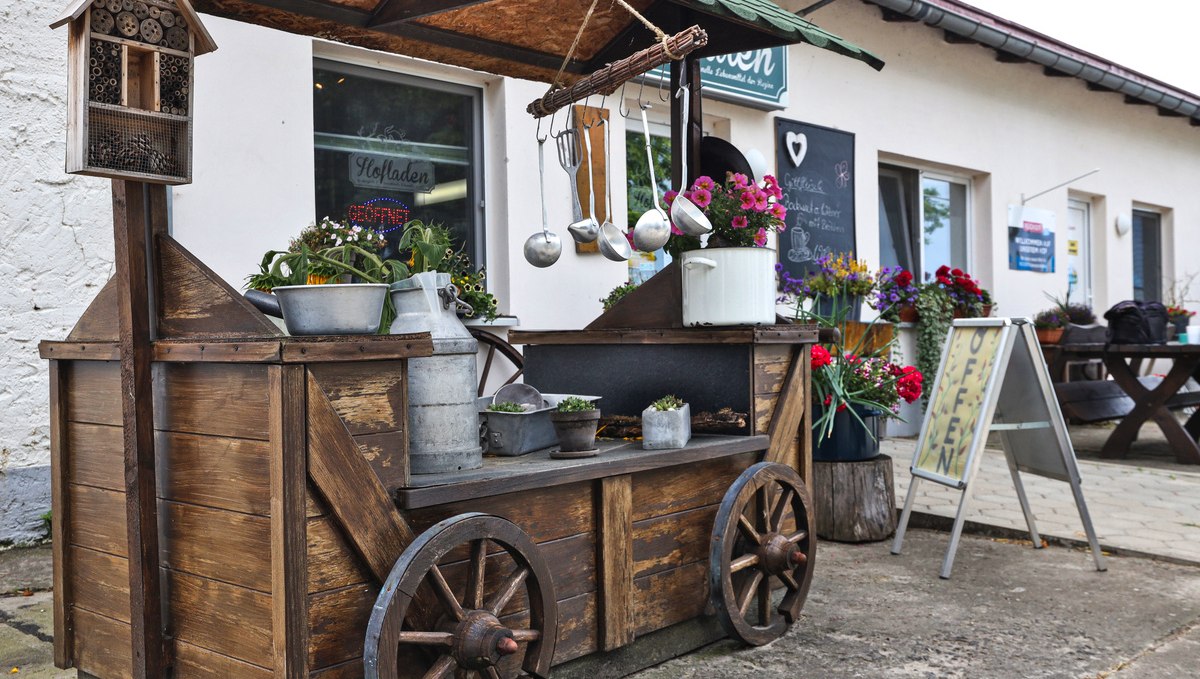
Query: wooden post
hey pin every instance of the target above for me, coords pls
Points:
(64, 632)
(615, 554)
(289, 545)
(131, 225)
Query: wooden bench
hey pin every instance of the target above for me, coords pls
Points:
(1100, 400)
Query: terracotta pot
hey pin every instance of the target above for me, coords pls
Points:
(986, 311)
(576, 431)
(908, 314)
(1050, 335)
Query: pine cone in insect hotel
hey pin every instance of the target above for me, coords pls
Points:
(130, 81)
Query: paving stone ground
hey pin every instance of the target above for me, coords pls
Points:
(1146, 504)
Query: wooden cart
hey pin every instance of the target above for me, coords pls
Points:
(284, 502)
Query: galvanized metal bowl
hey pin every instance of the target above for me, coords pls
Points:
(333, 309)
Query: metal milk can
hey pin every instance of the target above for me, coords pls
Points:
(443, 426)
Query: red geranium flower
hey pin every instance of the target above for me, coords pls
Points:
(820, 356)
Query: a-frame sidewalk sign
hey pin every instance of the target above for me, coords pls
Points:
(993, 378)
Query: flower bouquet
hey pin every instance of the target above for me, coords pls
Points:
(742, 213)
(834, 289)
(862, 386)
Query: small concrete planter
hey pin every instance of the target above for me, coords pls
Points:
(576, 433)
(663, 429)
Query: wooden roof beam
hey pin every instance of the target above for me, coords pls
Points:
(397, 11)
(1055, 73)
(956, 39)
(1010, 58)
(893, 16)
(1168, 113)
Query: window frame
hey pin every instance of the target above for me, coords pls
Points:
(476, 190)
(917, 210)
(1158, 253)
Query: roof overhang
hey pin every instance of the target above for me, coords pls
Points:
(1013, 42)
(530, 38)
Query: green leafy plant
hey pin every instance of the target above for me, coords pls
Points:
(617, 293)
(428, 245)
(470, 284)
(506, 407)
(668, 402)
(935, 311)
(575, 404)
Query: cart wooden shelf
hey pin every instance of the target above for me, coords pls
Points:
(284, 501)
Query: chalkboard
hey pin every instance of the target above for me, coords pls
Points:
(815, 168)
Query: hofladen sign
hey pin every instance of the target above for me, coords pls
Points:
(756, 78)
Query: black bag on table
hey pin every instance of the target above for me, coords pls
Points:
(1135, 322)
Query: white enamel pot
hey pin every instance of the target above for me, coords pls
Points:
(729, 286)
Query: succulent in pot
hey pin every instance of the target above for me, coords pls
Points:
(666, 423)
(575, 421)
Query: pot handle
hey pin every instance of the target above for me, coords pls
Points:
(700, 261)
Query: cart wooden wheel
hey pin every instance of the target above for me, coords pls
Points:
(762, 538)
(495, 345)
(479, 634)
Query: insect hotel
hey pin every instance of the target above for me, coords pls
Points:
(232, 501)
(130, 94)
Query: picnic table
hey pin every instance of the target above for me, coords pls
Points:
(1135, 399)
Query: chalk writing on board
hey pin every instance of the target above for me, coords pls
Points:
(816, 173)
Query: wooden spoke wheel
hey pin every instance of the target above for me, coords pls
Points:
(495, 345)
(477, 633)
(762, 539)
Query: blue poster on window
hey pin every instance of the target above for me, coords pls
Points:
(1030, 239)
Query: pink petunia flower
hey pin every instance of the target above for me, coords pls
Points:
(675, 230)
(740, 222)
(669, 196)
(740, 181)
(748, 200)
(701, 197)
(704, 182)
(760, 238)
(778, 211)
(760, 201)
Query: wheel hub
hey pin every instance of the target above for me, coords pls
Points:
(777, 554)
(480, 641)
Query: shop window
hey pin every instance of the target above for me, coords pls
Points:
(1147, 255)
(923, 220)
(391, 148)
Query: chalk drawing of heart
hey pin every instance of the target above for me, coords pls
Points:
(797, 147)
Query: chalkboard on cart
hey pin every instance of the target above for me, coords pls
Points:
(815, 168)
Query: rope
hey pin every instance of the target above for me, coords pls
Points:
(658, 33)
(571, 52)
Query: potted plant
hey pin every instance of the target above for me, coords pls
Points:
(575, 421)
(666, 423)
(311, 308)
(853, 387)
(1179, 319)
(617, 294)
(969, 300)
(512, 428)
(836, 288)
(730, 281)
(895, 295)
(1050, 325)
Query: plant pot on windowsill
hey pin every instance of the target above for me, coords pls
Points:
(662, 429)
(576, 433)
(1050, 335)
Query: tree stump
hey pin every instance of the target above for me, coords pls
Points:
(855, 501)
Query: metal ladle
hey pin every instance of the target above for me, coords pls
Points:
(542, 249)
(613, 244)
(652, 229)
(684, 213)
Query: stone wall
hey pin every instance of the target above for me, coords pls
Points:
(55, 251)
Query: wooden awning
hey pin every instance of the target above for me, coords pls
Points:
(529, 38)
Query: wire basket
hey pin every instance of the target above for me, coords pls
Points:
(128, 142)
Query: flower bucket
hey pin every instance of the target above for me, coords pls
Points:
(826, 306)
(849, 441)
(729, 286)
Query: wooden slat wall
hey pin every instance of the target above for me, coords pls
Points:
(770, 367)
(214, 508)
(370, 398)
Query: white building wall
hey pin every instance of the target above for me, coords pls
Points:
(55, 251)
